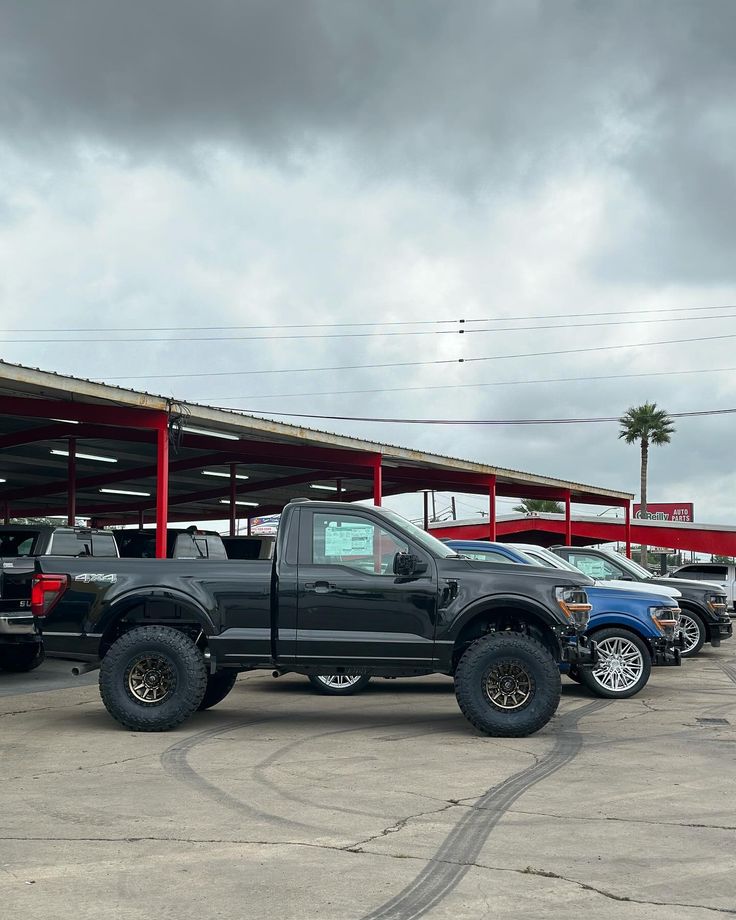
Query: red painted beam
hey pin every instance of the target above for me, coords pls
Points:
(492, 506)
(162, 489)
(80, 412)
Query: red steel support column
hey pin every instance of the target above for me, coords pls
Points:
(377, 481)
(233, 497)
(426, 509)
(627, 507)
(162, 486)
(248, 527)
(568, 519)
(71, 485)
(492, 508)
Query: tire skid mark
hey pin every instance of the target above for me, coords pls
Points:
(174, 761)
(462, 845)
(259, 771)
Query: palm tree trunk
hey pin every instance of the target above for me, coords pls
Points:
(643, 493)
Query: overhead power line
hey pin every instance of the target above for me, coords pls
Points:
(436, 362)
(479, 422)
(375, 323)
(469, 386)
(360, 335)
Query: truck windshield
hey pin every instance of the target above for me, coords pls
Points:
(542, 556)
(421, 536)
(630, 565)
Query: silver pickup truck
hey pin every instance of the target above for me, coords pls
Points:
(721, 573)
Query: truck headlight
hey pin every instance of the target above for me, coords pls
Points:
(666, 618)
(574, 604)
(718, 603)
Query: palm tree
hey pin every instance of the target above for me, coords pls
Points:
(649, 425)
(539, 506)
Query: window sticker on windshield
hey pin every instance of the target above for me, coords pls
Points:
(348, 539)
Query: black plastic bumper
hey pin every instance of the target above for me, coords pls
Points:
(721, 630)
(580, 652)
(664, 653)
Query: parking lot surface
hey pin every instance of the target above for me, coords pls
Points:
(281, 802)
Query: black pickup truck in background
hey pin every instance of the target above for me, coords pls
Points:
(20, 544)
(351, 589)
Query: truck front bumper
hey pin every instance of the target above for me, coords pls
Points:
(664, 653)
(720, 629)
(17, 624)
(579, 652)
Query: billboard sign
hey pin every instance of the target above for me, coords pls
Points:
(265, 526)
(672, 511)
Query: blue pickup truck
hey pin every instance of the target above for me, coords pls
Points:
(633, 628)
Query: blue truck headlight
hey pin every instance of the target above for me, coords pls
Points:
(665, 619)
(574, 604)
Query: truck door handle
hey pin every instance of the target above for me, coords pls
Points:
(320, 587)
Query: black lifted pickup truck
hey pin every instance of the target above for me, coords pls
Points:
(351, 589)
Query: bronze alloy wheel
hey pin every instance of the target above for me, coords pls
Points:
(151, 679)
(509, 686)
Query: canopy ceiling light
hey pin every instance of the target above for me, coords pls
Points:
(124, 492)
(79, 456)
(226, 501)
(224, 475)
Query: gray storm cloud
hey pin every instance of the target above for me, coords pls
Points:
(474, 94)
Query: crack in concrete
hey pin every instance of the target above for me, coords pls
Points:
(570, 817)
(74, 769)
(400, 825)
(528, 870)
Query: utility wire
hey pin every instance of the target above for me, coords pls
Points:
(481, 422)
(464, 386)
(439, 361)
(411, 322)
(362, 335)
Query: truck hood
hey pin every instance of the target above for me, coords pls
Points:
(643, 587)
(713, 586)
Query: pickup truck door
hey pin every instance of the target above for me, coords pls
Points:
(351, 608)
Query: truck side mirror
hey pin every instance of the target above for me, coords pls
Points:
(406, 565)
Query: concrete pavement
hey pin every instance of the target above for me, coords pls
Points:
(285, 803)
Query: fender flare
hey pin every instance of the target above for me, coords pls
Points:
(623, 621)
(127, 601)
(488, 603)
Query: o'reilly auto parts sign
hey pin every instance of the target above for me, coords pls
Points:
(682, 511)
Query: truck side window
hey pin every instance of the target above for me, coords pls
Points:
(595, 567)
(354, 541)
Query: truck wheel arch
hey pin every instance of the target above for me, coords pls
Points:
(162, 607)
(506, 612)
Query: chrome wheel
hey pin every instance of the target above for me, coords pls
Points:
(151, 679)
(620, 665)
(338, 681)
(690, 631)
(509, 686)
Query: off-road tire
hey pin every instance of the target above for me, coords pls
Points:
(697, 623)
(507, 651)
(21, 657)
(347, 690)
(219, 685)
(184, 663)
(601, 636)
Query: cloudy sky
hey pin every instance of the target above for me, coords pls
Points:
(175, 164)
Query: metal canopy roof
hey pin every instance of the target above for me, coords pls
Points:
(40, 411)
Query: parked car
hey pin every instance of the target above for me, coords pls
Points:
(721, 573)
(704, 609)
(189, 543)
(351, 589)
(20, 646)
